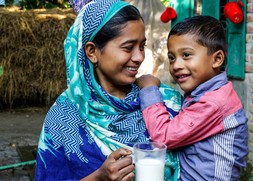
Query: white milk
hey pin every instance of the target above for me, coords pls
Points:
(149, 170)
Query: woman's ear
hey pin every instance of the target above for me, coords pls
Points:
(219, 58)
(90, 50)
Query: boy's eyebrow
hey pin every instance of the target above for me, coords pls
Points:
(182, 49)
(186, 48)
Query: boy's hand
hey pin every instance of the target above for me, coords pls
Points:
(147, 80)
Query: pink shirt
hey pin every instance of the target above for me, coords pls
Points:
(210, 132)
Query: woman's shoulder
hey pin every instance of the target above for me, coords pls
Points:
(171, 97)
(63, 110)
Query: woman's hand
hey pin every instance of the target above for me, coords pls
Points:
(147, 80)
(117, 167)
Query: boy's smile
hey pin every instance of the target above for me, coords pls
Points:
(190, 64)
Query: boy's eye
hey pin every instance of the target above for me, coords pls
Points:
(171, 58)
(186, 54)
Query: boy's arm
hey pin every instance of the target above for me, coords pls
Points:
(191, 125)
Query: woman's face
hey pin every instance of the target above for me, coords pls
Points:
(120, 59)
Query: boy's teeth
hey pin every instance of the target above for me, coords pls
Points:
(182, 76)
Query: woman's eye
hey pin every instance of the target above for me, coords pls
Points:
(128, 48)
(142, 47)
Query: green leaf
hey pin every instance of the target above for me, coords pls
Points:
(1, 71)
(165, 3)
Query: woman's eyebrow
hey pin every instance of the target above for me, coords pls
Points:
(133, 41)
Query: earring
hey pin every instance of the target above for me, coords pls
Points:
(95, 65)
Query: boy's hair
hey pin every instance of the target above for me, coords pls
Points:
(208, 31)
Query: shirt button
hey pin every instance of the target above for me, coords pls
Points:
(191, 124)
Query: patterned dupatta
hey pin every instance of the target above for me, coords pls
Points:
(110, 122)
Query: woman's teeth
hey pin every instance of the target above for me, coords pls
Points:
(131, 68)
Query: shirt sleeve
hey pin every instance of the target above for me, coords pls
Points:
(194, 123)
(149, 96)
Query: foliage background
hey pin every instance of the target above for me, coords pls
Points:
(32, 59)
(37, 4)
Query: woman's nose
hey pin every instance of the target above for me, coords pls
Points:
(138, 55)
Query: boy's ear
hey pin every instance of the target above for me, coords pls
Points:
(219, 58)
(90, 50)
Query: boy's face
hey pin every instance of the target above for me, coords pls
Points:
(190, 64)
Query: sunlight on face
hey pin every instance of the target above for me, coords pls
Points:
(190, 64)
(121, 58)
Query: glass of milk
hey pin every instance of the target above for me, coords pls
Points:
(149, 159)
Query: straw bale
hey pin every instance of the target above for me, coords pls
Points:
(31, 55)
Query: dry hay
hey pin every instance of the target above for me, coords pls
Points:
(31, 55)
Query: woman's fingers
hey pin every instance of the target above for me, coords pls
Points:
(120, 159)
(119, 165)
(127, 173)
(121, 152)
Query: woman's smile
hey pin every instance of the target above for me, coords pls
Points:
(132, 71)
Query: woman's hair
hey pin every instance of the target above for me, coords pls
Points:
(113, 27)
(208, 31)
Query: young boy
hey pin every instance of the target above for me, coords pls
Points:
(210, 132)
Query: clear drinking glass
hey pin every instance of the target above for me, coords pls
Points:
(149, 159)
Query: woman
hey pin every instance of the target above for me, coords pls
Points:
(89, 132)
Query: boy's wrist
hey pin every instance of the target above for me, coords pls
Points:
(149, 96)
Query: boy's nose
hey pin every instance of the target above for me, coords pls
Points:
(177, 64)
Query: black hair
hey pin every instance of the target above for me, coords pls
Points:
(113, 27)
(207, 30)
